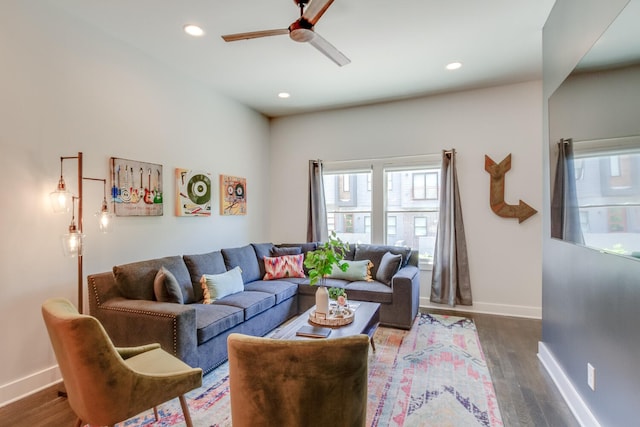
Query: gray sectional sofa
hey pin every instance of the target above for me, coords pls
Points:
(125, 302)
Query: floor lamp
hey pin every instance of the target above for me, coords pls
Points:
(63, 201)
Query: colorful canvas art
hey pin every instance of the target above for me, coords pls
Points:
(136, 188)
(193, 193)
(233, 195)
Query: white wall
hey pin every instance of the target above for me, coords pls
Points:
(66, 88)
(505, 256)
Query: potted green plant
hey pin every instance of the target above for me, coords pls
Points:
(320, 263)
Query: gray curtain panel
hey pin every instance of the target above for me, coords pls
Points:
(565, 215)
(317, 218)
(450, 283)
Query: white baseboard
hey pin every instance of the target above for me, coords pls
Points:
(30, 384)
(489, 308)
(575, 402)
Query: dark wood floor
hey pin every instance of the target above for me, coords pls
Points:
(526, 394)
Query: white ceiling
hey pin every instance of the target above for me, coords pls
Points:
(398, 48)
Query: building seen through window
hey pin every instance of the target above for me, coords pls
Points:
(402, 210)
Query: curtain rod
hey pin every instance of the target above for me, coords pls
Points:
(598, 140)
(413, 157)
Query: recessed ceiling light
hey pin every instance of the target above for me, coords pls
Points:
(453, 65)
(193, 30)
(284, 95)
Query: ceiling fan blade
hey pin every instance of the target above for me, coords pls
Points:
(329, 50)
(254, 34)
(315, 10)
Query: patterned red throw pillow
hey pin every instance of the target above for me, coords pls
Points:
(283, 266)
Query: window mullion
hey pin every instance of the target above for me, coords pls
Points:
(377, 204)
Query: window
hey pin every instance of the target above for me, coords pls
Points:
(420, 226)
(392, 225)
(348, 205)
(415, 205)
(608, 193)
(391, 201)
(348, 223)
(425, 185)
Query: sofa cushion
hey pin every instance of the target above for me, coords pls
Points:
(293, 250)
(166, 288)
(369, 291)
(135, 280)
(350, 254)
(374, 253)
(305, 247)
(389, 266)
(216, 286)
(283, 266)
(356, 270)
(212, 320)
(252, 302)
(283, 290)
(262, 250)
(245, 258)
(209, 263)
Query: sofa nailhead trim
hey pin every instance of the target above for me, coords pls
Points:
(153, 314)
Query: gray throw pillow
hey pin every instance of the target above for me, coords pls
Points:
(389, 266)
(166, 287)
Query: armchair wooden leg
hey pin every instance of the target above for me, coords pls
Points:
(185, 411)
(155, 413)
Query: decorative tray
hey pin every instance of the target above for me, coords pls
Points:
(332, 319)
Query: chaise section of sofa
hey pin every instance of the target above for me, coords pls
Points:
(399, 298)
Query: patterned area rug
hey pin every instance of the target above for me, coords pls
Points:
(433, 375)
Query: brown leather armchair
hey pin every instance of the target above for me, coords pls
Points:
(106, 384)
(292, 383)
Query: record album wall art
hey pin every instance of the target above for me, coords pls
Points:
(233, 195)
(193, 193)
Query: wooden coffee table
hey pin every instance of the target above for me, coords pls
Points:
(365, 321)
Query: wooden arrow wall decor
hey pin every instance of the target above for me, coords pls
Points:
(522, 211)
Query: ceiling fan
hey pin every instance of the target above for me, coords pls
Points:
(301, 30)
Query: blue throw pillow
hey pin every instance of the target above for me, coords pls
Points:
(216, 286)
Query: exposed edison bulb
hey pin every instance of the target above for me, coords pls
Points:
(72, 243)
(104, 217)
(60, 198)
(104, 221)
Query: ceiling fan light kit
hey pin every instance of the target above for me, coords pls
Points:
(301, 30)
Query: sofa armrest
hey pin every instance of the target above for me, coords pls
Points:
(406, 295)
(140, 322)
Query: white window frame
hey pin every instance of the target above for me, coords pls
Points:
(378, 167)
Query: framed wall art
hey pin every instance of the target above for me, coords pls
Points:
(233, 195)
(136, 188)
(193, 193)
